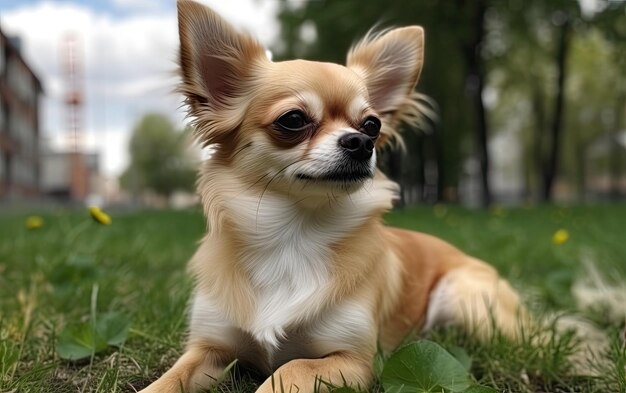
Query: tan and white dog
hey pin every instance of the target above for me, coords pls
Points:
(297, 275)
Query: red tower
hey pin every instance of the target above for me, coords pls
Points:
(78, 173)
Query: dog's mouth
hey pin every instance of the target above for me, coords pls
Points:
(338, 176)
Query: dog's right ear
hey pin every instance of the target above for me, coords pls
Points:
(216, 64)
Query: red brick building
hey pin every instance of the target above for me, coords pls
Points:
(20, 90)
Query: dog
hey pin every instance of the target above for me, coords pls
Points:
(297, 275)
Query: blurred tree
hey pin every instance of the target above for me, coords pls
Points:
(593, 101)
(518, 52)
(612, 22)
(159, 160)
(535, 70)
(532, 44)
(475, 85)
(563, 21)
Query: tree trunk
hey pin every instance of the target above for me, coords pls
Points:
(551, 164)
(476, 84)
(420, 178)
(538, 104)
(581, 169)
(437, 140)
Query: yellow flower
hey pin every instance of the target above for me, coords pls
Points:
(34, 222)
(560, 237)
(99, 216)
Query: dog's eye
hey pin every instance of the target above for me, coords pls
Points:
(371, 127)
(292, 121)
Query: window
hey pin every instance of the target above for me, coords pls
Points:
(19, 80)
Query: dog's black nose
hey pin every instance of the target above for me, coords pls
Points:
(358, 146)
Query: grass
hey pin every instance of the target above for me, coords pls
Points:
(73, 268)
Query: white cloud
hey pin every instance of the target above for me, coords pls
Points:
(142, 5)
(129, 62)
(252, 16)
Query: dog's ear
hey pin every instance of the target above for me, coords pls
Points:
(390, 63)
(216, 64)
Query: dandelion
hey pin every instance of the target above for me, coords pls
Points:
(560, 237)
(33, 222)
(99, 216)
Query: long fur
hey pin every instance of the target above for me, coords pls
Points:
(297, 275)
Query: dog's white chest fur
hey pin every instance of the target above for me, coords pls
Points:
(288, 259)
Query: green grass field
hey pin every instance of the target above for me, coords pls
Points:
(73, 269)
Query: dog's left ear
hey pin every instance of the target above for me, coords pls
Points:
(390, 63)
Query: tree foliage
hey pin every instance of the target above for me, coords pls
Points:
(530, 54)
(159, 159)
(533, 46)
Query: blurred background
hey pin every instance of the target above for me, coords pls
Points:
(528, 96)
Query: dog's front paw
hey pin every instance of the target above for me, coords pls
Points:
(294, 376)
(318, 375)
(280, 385)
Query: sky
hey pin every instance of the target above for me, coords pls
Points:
(128, 49)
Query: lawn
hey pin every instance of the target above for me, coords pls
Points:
(73, 270)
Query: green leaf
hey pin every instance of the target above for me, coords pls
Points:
(379, 363)
(462, 356)
(113, 327)
(424, 366)
(79, 342)
(480, 389)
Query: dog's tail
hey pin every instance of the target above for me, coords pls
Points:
(590, 333)
(477, 299)
(596, 294)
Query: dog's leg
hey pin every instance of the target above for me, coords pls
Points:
(317, 375)
(476, 298)
(199, 368)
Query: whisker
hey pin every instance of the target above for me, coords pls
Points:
(258, 207)
(367, 185)
(255, 183)
(348, 195)
(244, 147)
(300, 200)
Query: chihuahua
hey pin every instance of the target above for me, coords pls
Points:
(297, 275)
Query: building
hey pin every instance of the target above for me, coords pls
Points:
(20, 90)
(62, 179)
